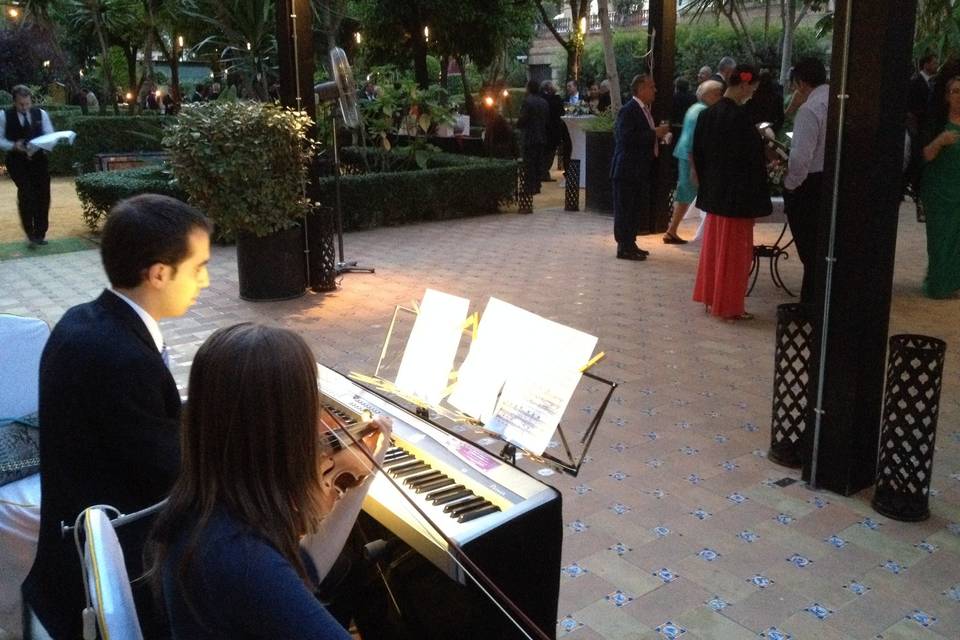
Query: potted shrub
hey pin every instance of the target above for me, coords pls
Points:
(599, 154)
(245, 164)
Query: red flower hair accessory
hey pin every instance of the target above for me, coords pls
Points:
(746, 76)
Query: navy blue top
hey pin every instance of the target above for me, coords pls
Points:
(241, 587)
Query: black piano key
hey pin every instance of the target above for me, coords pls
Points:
(418, 479)
(443, 492)
(394, 453)
(400, 465)
(434, 484)
(473, 514)
(456, 495)
(397, 472)
(398, 461)
(452, 507)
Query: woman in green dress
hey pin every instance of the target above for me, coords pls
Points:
(940, 192)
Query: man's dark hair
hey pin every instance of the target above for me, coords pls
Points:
(683, 85)
(810, 71)
(638, 80)
(144, 230)
(533, 87)
(21, 91)
(922, 62)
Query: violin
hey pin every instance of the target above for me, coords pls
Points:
(341, 466)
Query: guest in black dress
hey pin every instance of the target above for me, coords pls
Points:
(728, 154)
(534, 114)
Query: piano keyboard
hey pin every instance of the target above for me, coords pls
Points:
(461, 487)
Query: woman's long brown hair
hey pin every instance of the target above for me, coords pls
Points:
(249, 446)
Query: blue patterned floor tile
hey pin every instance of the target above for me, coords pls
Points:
(893, 567)
(737, 498)
(857, 588)
(923, 545)
(717, 603)
(748, 536)
(578, 526)
(799, 561)
(708, 554)
(666, 575)
(785, 519)
(619, 508)
(836, 541)
(619, 598)
(775, 634)
(619, 476)
(953, 593)
(574, 570)
(620, 549)
(922, 618)
(661, 531)
(729, 465)
(760, 581)
(671, 630)
(569, 624)
(870, 523)
(819, 611)
(701, 514)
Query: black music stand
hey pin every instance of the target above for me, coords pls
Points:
(571, 465)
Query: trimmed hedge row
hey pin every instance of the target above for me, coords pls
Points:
(100, 190)
(100, 134)
(452, 186)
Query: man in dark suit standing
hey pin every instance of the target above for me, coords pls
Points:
(534, 114)
(555, 127)
(636, 145)
(20, 124)
(109, 407)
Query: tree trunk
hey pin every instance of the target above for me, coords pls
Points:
(468, 105)
(109, 86)
(444, 64)
(609, 59)
(420, 58)
(786, 52)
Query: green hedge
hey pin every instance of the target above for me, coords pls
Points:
(100, 134)
(697, 45)
(452, 186)
(100, 190)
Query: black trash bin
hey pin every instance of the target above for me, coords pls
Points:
(792, 383)
(911, 402)
(571, 199)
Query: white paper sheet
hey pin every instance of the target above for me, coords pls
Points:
(432, 346)
(522, 368)
(48, 141)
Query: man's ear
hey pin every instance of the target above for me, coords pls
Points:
(157, 275)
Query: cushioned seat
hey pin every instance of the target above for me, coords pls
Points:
(21, 344)
(107, 582)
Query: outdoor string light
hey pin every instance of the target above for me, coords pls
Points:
(426, 34)
(357, 37)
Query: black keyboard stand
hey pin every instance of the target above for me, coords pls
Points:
(773, 252)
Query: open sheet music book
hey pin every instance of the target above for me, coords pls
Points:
(48, 141)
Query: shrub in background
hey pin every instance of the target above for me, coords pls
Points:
(452, 186)
(243, 163)
(100, 190)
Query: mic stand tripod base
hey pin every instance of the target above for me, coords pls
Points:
(351, 267)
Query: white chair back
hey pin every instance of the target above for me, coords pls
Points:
(107, 582)
(21, 344)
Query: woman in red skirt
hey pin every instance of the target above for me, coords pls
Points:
(728, 157)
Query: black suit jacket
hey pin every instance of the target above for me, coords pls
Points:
(919, 98)
(633, 141)
(109, 434)
(534, 116)
(728, 153)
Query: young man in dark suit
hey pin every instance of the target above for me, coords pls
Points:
(109, 407)
(20, 124)
(636, 144)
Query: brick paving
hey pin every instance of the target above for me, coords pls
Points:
(673, 524)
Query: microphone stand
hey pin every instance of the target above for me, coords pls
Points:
(342, 265)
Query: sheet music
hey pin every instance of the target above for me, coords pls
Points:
(428, 357)
(520, 374)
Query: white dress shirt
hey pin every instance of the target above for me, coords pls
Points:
(7, 145)
(809, 138)
(152, 326)
(653, 125)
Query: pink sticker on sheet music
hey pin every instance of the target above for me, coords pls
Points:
(476, 458)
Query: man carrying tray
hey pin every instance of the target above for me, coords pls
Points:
(20, 124)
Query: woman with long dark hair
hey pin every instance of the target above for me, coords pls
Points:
(728, 154)
(940, 189)
(253, 524)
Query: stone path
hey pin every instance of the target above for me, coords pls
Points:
(674, 525)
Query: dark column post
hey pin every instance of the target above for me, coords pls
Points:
(662, 31)
(869, 187)
(295, 53)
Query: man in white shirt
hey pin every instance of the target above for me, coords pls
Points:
(803, 184)
(28, 168)
(109, 407)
